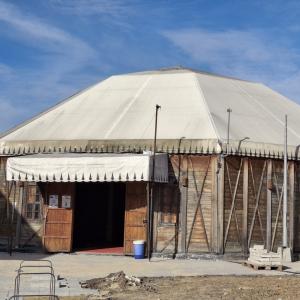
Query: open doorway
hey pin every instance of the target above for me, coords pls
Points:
(99, 216)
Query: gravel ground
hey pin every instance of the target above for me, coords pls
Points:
(207, 287)
(217, 287)
(75, 268)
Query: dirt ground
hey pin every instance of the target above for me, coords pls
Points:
(206, 287)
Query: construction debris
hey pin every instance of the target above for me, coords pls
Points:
(117, 282)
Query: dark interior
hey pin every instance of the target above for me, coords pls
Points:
(99, 215)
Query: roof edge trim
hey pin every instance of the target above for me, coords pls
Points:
(187, 146)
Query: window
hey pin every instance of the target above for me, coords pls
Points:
(33, 202)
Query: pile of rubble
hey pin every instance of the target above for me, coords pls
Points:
(116, 282)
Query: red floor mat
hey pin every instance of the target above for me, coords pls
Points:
(114, 250)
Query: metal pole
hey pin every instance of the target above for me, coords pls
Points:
(284, 209)
(240, 144)
(150, 213)
(229, 110)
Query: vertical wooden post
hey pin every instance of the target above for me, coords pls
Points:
(156, 208)
(245, 205)
(291, 179)
(19, 209)
(183, 204)
(269, 206)
(148, 220)
(220, 175)
(285, 192)
(214, 207)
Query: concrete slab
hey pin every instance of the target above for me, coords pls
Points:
(78, 267)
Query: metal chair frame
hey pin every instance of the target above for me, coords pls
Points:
(19, 297)
(39, 264)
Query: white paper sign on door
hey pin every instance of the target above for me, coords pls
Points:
(65, 201)
(53, 201)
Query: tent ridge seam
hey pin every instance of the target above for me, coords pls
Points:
(262, 106)
(206, 106)
(135, 97)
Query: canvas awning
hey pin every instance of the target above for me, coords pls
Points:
(85, 167)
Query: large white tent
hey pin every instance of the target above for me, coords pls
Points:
(118, 114)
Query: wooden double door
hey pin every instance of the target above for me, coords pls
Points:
(135, 215)
(59, 221)
(58, 230)
(58, 216)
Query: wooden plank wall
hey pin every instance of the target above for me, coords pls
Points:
(253, 204)
(30, 234)
(165, 218)
(199, 204)
(5, 206)
(181, 222)
(277, 199)
(190, 181)
(257, 201)
(165, 215)
(297, 209)
(233, 205)
(9, 194)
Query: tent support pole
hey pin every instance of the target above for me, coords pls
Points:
(150, 208)
(284, 209)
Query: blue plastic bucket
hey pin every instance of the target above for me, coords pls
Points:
(139, 249)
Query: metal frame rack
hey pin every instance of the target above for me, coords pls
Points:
(35, 268)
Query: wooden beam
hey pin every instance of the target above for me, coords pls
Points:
(183, 217)
(279, 210)
(148, 249)
(19, 210)
(291, 180)
(245, 205)
(269, 206)
(183, 187)
(214, 206)
(220, 195)
(156, 210)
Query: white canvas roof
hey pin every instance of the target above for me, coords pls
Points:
(86, 167)
(117, 114)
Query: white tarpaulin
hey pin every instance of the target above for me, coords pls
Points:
(87, 167)
(118, 113)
